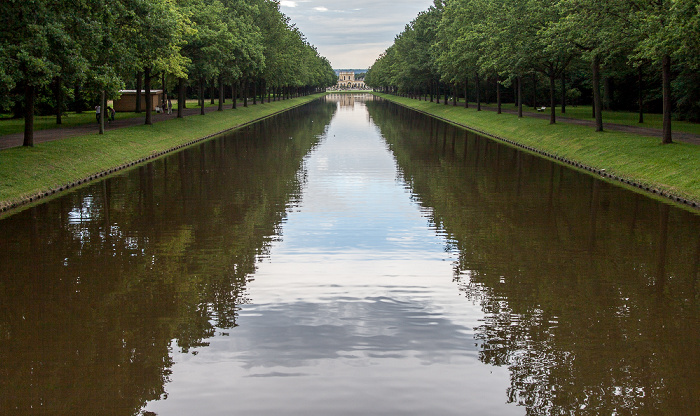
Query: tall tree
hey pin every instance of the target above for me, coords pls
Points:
(157, 35)
(661, 36)
(599, 29)
(33, 38)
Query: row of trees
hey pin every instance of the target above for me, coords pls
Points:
(456, 43)
(59, 49)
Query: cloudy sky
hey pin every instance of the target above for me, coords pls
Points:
(352, 34)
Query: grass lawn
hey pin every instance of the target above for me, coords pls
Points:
(70, 119)
(673, 168)
(8, 125)
(30, 171)
(583, 112)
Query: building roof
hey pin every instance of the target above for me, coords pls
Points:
(142, 91)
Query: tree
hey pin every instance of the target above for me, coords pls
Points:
(458, 47)
(33, 38)
(157, 34)
(661, 37)
(551, 52)
(600, 30)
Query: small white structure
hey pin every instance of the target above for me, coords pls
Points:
(346, 80)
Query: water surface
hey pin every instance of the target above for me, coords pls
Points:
(350, 257)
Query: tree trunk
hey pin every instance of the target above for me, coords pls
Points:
(478, 92)
(221, 94)
(180, 97)
(234, 94)
(103, 104)
(201, 94)
(59, 100)
(78, 99)
(139, 77)
(520, 96)
(212, 88)
(666, 81)
(164, 98)
(454, 95)
(29, 98)
(563, 92)
(245, 93)
(606, 93)
(552, 101)
(498, 93)
(640, 95)
(149, 103)
(466, 92)
(255, 92)
(534, 90)
(597, 105)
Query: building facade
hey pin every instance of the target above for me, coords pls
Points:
(346, 80)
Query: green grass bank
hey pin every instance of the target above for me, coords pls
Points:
(671, 172)
(31, 173)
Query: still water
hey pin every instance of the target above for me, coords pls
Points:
(350, 257)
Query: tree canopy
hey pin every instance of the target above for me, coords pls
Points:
(50, 49)
(625, 48)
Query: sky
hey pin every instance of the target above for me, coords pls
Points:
(352, 33)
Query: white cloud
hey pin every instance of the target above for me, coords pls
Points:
(352, 37)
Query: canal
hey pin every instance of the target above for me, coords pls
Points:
(350, 257)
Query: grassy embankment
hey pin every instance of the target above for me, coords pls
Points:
(53, 166)
(672, 169)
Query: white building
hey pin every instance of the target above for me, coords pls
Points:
(346, 80)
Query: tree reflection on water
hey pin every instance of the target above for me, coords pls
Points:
(589, 290)
(96, 284)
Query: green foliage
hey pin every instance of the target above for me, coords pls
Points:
(458, 39)
(101, 45)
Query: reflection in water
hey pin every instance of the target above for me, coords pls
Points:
(584, 300)
(308, 265)
(111, 273)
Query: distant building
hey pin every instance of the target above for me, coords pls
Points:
(346, 80)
